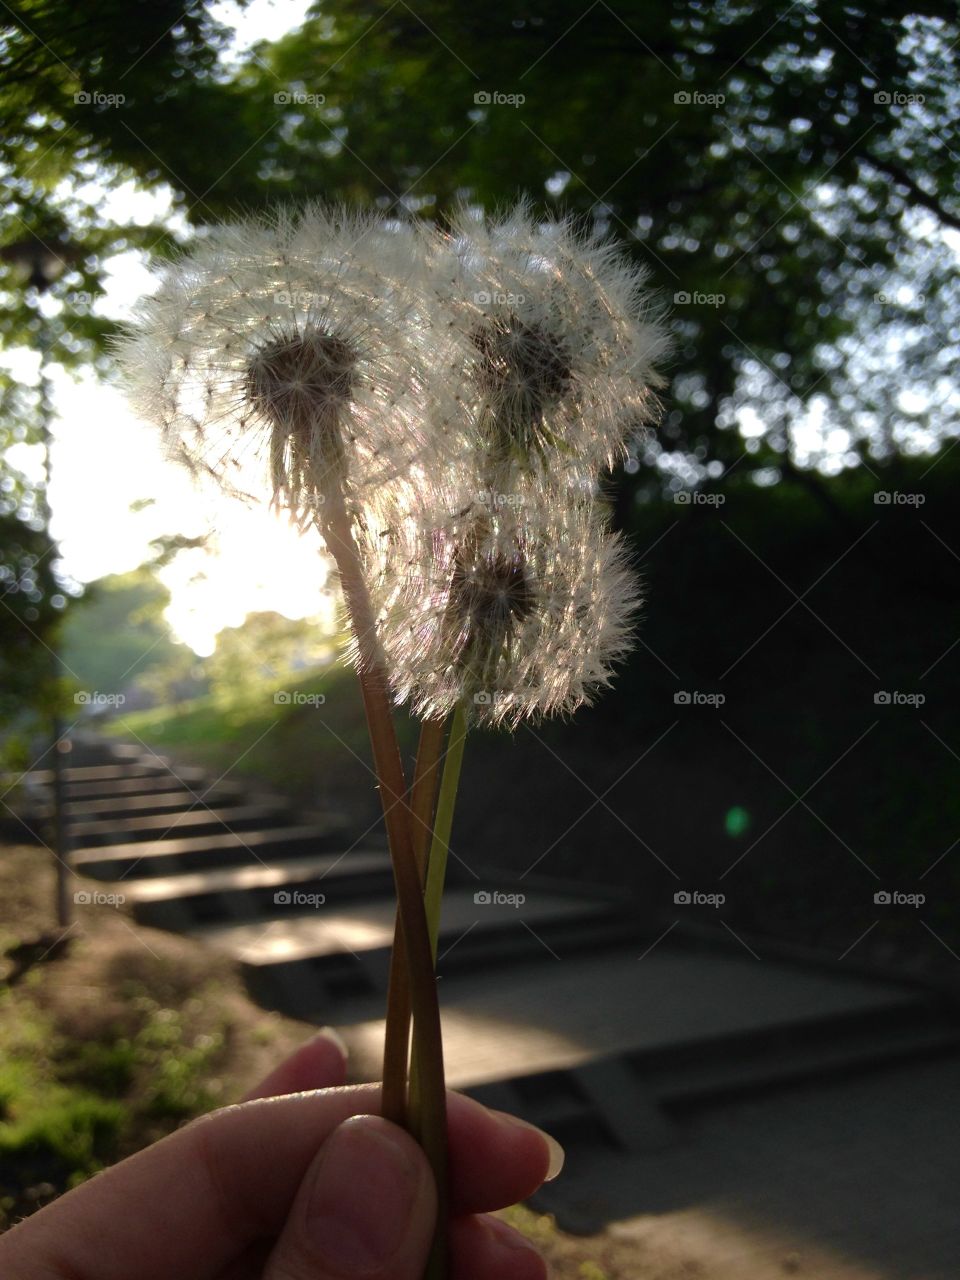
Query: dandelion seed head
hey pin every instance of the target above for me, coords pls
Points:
(560, 338)
(269, 324)
(517, 614)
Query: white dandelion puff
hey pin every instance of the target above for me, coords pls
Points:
(559, 342)
(515, 614)
(283, 356)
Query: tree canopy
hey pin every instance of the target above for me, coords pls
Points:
(788, 172)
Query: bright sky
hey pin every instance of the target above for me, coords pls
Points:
(104, 460)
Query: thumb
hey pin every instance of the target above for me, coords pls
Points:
(365, 1208)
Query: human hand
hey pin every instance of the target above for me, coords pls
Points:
(303, 1180)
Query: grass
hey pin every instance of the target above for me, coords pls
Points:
(312, 747)
(111, 1044)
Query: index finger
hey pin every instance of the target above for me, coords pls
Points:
(198, 1199)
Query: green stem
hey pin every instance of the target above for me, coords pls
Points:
(443, 825)
(396, 1042)
(433, 893)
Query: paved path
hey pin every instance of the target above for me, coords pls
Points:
(770, 1111)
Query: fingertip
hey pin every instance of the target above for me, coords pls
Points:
(484, 1247)
(319, 1063)
(496, 1159)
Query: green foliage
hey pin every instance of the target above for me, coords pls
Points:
(117, 632)
(80, 1086)
(29, 619)
(263, 651)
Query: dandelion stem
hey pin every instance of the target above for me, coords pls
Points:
(440, 845)
(336, 526)
(422, 796)
(436, 872)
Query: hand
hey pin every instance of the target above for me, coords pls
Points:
(303, 1180)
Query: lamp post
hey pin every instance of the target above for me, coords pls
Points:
(38, 265)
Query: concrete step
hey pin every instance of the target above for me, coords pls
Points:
(144, 785)
(551, 1016)
(185, 902)
(637, 1102)
(338, 957)
(119, 808)
(89, 752)
(197, 821)
(175, 856)
(99, 772)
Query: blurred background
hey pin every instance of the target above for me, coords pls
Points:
(771, 784)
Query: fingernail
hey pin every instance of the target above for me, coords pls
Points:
(363, 1198)
(330, 1033)
(557, 1154)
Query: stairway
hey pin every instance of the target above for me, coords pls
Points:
(555, 1004)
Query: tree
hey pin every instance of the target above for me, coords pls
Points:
(117, 633)
(789, 171)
